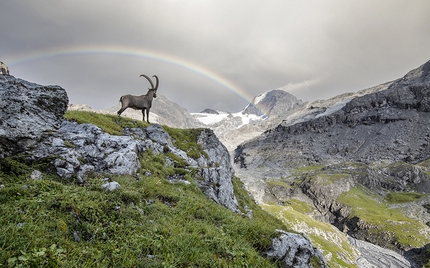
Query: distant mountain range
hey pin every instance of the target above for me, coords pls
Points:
(266, 111)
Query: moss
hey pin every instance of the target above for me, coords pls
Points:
(111, 124)
(308, 169)
(327, 179)
(279, 183)
(298, 205)
(402, 197)
(186, 140)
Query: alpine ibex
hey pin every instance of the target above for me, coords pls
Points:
(143, 102)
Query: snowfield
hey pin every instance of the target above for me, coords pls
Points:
(210, 119)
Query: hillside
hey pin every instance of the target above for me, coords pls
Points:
(83, 189)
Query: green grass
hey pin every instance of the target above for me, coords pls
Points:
(111, 124)
(330, 241)
(406, 231)
(186, 140)
(402, 197)
(147, 222)
(150, 217)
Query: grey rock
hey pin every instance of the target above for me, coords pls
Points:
(209, 111)
(111, 186)
(90, 149)
(76, 236)
(30, 113)
(294, 250)
(36, 175)
(216, 171)
(156, 133)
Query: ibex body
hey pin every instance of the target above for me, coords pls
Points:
(143, 102)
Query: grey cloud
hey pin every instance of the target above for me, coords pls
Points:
(339, 46)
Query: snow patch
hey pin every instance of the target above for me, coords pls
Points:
(333, 108)
(260, 98)
(210, 119)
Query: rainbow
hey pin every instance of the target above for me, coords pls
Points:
(130, 51)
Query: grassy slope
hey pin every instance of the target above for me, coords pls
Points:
(365, 205)
(148, 222)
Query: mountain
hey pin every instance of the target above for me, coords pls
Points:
(234, 128)
(272, 103)
(269, 109)
(359, 161)
(389, 125)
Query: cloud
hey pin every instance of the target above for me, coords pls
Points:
(316, 48)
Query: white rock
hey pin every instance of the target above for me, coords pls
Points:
(111, 186)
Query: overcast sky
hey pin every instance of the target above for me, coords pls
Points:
(212, 54)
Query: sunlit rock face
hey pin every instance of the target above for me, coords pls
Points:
(29, 113)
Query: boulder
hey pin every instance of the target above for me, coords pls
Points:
(295, 250)
(30, 113)
(82, 148)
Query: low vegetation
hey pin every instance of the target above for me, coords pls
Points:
(332, 243)
(147, 222)
(384, 221)
(402, 197)
(111, 124)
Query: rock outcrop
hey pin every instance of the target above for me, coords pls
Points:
(30, 113)
(294, 250)
(216, 170)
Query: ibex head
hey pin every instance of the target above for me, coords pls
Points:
(152, 85)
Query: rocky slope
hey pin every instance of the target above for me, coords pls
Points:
(368, 147)
(390, 125)
(34, 125)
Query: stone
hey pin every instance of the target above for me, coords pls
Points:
(30, 113)
(294, 250)
(36, 175)
(216, 171)
(111, 186)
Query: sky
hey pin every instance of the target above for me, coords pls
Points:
(215, 54)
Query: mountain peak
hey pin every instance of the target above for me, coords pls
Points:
(272, 102)
(420, 75)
